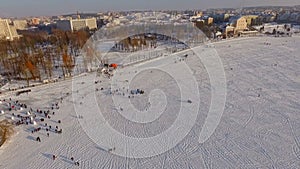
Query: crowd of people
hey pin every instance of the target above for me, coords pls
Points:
(22, 115)
(37, 121)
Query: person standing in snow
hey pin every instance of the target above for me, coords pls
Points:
(76, 163)
(53, 157)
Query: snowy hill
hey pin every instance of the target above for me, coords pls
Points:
(259, 128)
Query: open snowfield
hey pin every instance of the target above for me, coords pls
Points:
(259, 128)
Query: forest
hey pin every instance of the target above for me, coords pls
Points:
(36, 55)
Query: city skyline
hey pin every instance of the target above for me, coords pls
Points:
(14, 8)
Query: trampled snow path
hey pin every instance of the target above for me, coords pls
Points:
(259, 128)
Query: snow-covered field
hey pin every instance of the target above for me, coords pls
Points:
(260, 126)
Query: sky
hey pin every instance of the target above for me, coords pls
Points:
(19, 8)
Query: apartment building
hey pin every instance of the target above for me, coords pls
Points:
(7, 31)
(76, 24)
(20, 24)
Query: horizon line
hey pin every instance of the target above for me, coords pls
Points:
(144, 10)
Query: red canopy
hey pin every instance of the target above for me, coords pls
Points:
(114, 65)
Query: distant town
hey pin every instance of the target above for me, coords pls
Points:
(45, 49)
(215, 23)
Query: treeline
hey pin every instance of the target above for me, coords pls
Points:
(137, 42)
(37, 55)
(147, 40)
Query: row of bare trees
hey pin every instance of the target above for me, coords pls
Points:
(136, 43)
(37, 55)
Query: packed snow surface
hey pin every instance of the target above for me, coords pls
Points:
(260, 126)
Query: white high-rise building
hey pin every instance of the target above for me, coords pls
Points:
(7, 31)
(76, 24)
(20, 24)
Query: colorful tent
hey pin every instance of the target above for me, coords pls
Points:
(114, 65)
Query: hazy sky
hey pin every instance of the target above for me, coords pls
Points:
(57, 7)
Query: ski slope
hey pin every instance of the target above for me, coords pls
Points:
(260, 126)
